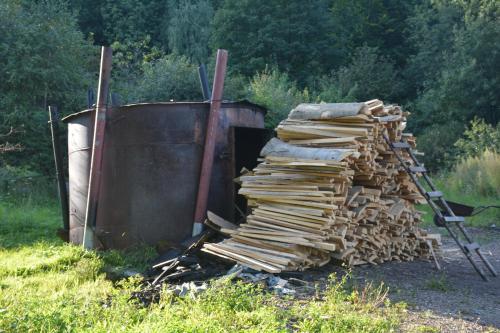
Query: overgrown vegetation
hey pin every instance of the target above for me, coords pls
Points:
(50, 286)
(437, 58)
(474, 181)
(473, 178)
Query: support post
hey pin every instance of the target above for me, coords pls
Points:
(97, 148)
(202, 72)
(90, 98)
(58, 160)
(208, 152)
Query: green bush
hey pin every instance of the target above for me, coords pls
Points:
(478, 138)
(171, 77)
(275, 91)
(329, 91)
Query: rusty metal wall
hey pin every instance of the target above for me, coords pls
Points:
(151, 169)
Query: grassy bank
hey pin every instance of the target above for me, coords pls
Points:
(475, 182)
(49, 286)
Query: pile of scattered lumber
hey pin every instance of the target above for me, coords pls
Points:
(329, 187)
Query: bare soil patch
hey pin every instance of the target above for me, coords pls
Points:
(455, 299)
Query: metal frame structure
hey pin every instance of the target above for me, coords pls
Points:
(445, 217)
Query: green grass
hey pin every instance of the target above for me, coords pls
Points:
(438, 283)
(49, 286)
(475, 181)
(485, 219)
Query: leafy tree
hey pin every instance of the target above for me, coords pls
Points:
(44, 59)
(465, 79)
(133, 21)
(478, 138)
(375, 23)
(292, 35)
(90, 21)
(431, 32)
(128, 62)
(190, 28)
(369, 75)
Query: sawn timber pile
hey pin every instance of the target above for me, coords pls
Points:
(329, 187)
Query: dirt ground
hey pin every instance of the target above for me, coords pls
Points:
(454, 299)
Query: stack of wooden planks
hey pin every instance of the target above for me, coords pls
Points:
(329, 187)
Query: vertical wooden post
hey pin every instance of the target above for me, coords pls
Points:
(58, 160)
(208, 152)
(97, 148)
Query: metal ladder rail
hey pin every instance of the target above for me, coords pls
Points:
(459, 224)
(437, 209)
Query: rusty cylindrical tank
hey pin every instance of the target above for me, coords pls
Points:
(151, 168)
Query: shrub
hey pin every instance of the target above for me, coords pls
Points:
(275, 91)
(478, 138)
(330, 92)
(170, 77)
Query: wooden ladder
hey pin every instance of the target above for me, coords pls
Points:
(444, 215)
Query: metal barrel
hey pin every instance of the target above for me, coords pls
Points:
(151, 169)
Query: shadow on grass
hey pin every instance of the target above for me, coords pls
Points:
(33, 225)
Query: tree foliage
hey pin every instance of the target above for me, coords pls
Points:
(275, 91)
(369, 75)
(132, 21)
(479, 137)
(190, 28)
(291, 35)
(44, 60)
(439, 58)
(456, 64)
(376, 23)
(169, 78)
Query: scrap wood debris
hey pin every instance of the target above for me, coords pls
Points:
(328, 187)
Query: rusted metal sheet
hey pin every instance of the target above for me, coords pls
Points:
(151, 169)
(209, 146)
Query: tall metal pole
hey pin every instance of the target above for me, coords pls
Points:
(202, 72)
(97, 148)
(208, 152)
(58, 160)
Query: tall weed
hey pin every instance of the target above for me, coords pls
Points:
(477, 175)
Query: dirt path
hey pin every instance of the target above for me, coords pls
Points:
(453, 300)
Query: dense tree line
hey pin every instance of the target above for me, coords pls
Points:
(439, 58)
